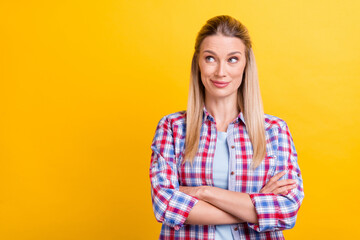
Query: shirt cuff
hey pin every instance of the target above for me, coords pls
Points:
(266, 211)
(178, 209)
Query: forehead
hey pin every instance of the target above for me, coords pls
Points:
(222, 44)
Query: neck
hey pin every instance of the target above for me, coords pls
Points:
(224, 110)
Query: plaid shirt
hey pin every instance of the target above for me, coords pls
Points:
(171, 207)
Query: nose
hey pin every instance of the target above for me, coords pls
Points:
(220, 71)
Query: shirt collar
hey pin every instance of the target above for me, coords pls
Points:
(207, 115)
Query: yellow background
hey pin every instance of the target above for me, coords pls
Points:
(84, 83)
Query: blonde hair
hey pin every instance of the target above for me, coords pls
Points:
(249, 98)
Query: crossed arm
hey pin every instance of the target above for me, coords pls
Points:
(219, 206)
(176, 205)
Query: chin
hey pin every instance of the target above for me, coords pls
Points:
(220, 95)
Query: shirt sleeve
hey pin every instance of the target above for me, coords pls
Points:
(279, 212)
(171, 207)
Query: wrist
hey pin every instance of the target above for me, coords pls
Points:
(204, 193)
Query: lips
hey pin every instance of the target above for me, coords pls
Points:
(220, 84)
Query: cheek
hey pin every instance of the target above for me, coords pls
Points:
(206, 72)
(237, 75)
(238, 72)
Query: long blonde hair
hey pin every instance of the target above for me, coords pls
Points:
(249, 98)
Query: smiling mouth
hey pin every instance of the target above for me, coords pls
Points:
(220, 84)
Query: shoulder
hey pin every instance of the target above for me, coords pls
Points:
(173, 119)
(273, 122)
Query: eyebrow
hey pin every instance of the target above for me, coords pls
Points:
(227, 55)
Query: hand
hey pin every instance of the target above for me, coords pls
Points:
(192, 191)
(281, 187)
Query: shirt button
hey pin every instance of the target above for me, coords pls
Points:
(232, 146)
(235, 228)
(232, 173)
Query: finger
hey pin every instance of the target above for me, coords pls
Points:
(278, 176)
(280, 190)
(284, 193)
(273, 183)
(280, 183)
(291, 188)
(284, 190)
(264, 190)
(272, 186)
(285, 182)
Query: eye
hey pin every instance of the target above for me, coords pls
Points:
(233, 59)
(209, 59)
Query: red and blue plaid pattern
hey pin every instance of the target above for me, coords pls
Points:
(171, 207)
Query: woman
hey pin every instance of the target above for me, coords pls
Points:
(223, 169)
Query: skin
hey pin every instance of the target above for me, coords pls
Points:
(223, 59)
